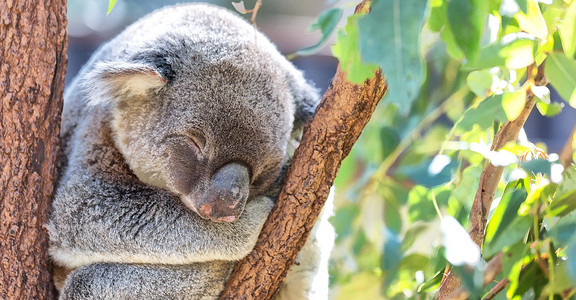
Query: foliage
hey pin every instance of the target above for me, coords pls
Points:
(457, 71)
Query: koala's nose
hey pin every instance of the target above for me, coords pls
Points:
(224, 200)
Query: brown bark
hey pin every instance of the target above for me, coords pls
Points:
(33, 64)
(489, 181)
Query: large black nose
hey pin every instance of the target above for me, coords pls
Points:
(224, 199)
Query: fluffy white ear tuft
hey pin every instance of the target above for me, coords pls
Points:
(111, 82)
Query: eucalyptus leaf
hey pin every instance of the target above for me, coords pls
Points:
(567, 30)
(326, 23)
(564, 200)
(347, 52)
(549, 109)
(560, 70)
(389, 37)
(515, 54)
(563, 230)
(484, 114)
(480, 82)
(535, 166)
(505, 227)
(532, 21)
(466, 19)
(431, 173)
(513, 103)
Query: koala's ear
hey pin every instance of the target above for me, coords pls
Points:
(306, 99)
(113, 82)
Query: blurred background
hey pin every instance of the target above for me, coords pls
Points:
(368, 217)
(286, 23)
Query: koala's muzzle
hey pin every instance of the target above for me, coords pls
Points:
(225, 197)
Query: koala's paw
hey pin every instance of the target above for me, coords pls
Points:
(258, 209)
(79, 285)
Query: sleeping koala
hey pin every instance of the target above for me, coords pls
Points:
(175, 138)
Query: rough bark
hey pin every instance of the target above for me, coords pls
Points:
(32, 64)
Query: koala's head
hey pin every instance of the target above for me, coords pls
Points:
(213, 129)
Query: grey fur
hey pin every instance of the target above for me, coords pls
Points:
(184, 98)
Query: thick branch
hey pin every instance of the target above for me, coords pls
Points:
(489, 181)
(32, 64)
(344, 111)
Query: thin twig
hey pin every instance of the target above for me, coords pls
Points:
(255, 12)
(491, 175)
(568, 150)
(493, 268)
(496, 289)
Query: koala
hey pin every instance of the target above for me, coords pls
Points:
(175, 137)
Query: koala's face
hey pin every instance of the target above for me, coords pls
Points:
(215, 135)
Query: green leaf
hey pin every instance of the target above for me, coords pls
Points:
(389, 38)
(484, 114)
(111, 4)
(535, 166)
(564, 201)
(561, 283)
(505, 227)
(560, 70)
(414, 262)
(513, 104)
(437, 17)
(431, 284)
(549, 109)
(420, 207)
(568, 30)
(512, 255)
(341, 221)
(347, 52)
(523, 4)
(532, 21)
(564, 230)
(571, 260)
(515, 54)
(431, 173)
(411, 235)
(466, 19)
(326, 23)
(392, 216)
(451, 45)
(389, 138)
(480, 82)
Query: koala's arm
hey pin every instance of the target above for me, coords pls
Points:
(93, 223)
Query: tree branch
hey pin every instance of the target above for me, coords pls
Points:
(568, 149)
(489, 179)
(493, 268)
(344, 111)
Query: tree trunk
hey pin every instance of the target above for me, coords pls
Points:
(33, 64)
(344, 111)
